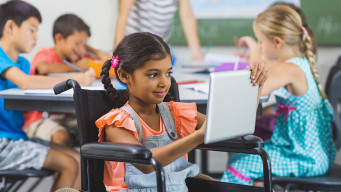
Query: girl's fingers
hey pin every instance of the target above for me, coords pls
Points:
(260, 70)
(261, 77)
(265, 77)
(254, 69)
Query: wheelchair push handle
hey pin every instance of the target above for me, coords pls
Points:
(65, 85)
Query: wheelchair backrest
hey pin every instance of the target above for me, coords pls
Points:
(90, 105)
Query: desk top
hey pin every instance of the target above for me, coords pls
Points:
(17, 99)
(186, 95)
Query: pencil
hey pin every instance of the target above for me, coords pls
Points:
(190, 82)
(73, 66)
(236, 46)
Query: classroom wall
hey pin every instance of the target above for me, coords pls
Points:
(100, 15)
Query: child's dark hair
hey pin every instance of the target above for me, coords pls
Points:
(67, 24)
(18, 11)
(133, 51)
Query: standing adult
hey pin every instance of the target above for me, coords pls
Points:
(156, 17)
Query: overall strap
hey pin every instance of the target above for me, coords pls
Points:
(167, 120)
(136, 120)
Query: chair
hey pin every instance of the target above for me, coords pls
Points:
(335, 68)
(9, 178)
(92, 104)
(331, 181)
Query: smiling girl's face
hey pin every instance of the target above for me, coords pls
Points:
(151, 82)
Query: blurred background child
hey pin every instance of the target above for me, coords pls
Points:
(70, 35)
(19, 23)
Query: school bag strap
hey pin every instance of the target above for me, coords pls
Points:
(166, 116)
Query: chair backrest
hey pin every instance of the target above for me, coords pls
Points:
(174, 90)
(334, 96)
(335, 68)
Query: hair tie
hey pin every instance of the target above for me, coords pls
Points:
(114, 61)
(305, 32)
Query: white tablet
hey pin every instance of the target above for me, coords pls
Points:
(231, 107)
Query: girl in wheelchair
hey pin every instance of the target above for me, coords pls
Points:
(142, 61)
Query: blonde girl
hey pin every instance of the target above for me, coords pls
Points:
(302, 143)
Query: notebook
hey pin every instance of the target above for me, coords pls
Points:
(229, 66)
(231, 107)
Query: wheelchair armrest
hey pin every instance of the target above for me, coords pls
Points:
(65, 85)
(26, 173)
(116, 152)
(244, 144)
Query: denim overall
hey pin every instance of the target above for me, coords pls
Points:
(175, 173)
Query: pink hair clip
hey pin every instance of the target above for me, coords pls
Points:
(305, 32)
(114, 61)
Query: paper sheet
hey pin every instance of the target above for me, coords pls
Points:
(68, 92)
(218, 59)
(199, 87)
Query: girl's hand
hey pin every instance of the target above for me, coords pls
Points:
(251, 44)
(85, 78)
(198, 55)
(83, 63)
(202, 131)
(259, 72)
(248, 42)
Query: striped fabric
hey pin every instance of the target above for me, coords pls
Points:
(154, 16)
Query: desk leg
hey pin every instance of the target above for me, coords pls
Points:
(191, 156)
(204, 162)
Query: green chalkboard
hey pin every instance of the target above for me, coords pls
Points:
(323, 16)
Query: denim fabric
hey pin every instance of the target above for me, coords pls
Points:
(175, 173)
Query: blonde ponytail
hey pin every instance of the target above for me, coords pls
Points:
(308, 51)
